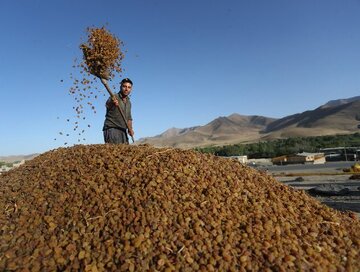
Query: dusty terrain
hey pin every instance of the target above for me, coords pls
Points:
(346, 194)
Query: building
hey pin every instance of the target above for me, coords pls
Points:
(304, 158)
(341, 153)
(280, 160)
(241, 159)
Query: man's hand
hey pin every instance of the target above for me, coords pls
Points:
(111, 102)
(115, 101)
(131, 132)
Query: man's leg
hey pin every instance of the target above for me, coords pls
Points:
(115, 136)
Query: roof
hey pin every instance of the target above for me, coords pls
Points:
(305, 154)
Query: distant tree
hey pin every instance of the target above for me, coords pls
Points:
(287, 146)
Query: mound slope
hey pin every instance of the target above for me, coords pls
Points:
(139, 208)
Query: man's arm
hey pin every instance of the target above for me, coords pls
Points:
(130, 131)
(112, 101)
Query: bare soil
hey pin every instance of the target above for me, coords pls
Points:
(345, 199)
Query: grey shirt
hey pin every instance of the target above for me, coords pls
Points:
(113, 118)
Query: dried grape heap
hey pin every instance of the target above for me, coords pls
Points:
(102, 56)
(140, 208)
(102, 53)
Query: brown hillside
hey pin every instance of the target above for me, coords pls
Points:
(223, 130)
(340, 119)
(335, 117)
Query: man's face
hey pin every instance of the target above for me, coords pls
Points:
(126, 88)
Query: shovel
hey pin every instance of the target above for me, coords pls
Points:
(104, 82)
(101, 72)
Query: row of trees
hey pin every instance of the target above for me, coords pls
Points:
(6, 164)
(280, 147)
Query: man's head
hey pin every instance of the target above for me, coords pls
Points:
(126, 86)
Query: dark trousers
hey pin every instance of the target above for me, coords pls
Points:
(115, 136)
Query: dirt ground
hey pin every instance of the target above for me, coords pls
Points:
(344, 196)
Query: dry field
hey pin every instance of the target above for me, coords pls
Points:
(346, 197)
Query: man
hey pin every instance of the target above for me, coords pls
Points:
(115, 129)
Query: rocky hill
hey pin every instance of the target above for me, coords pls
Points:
(329, 119)
(222, 130)
(334, 117)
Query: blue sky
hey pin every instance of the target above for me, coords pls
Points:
(190, 60)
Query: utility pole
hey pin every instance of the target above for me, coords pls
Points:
(345, 153)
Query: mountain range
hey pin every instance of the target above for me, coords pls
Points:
(340, 116)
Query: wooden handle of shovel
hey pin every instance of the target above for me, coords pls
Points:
(104, 82)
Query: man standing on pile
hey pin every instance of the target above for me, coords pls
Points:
(115, 129)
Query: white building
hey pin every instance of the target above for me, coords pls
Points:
(241, 159)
